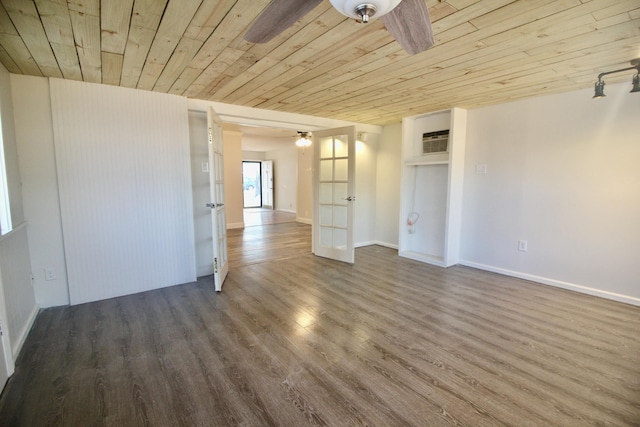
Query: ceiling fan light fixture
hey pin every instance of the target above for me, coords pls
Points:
(362, 11)
(304, 139)
(366, 11)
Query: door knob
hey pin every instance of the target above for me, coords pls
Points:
(350, 198)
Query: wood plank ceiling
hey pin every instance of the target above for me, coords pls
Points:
(486, 52)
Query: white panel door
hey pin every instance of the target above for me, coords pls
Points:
(218, 210)
(334, 193)
(267, 184)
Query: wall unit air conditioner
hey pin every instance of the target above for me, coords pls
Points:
(435, 142)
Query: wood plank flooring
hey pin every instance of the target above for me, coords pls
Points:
(309, 341)
(274, 242)
(259, 216)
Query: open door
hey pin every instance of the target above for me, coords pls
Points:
(218, 212)
(334, 193)
(267, 184)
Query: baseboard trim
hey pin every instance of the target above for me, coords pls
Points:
(386, 245)
(22, 336)
(363, 244)
(204, 272)
(557, 283)
(307, 221)
(286, 210)
(376, 242)
(235, 225)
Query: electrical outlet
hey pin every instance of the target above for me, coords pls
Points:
(49, 274)
(481, 168)
(523, 245)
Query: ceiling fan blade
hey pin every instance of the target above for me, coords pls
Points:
(410, 24)
(277, 17)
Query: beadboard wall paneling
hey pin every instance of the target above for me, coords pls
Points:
(123, 165)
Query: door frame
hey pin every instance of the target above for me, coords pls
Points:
(250, 116)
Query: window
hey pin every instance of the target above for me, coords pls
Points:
(5, 211)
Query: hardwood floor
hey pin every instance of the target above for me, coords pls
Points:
(308, 341)
(274, 242)
(259, 216)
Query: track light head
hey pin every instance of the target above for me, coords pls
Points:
(599, 89)
(636, 82)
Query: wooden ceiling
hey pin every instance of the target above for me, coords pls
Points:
(486, 52)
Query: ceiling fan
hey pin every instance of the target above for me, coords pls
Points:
(407, 20)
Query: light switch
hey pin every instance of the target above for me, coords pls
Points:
(481, 168)
(205, 166)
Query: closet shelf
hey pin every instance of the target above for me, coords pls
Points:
(426, 162)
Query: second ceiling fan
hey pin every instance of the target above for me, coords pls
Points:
(407, 20)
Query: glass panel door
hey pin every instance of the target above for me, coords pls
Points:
(218, 209)
(334, 193)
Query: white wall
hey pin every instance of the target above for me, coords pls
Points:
(304, 200)
(34, 132)
(364, 218)
(563, 174)
(20, 302)
(18, 306)
(388, 176)
(285, 183)
(252, 155)
(233, 193)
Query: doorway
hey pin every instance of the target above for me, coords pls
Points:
(252, 184)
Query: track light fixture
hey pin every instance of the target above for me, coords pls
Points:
(599, 88)
(636, 82)
(304, 139)
(635, 65)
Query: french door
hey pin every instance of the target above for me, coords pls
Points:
(334, 193)
(218, 210)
